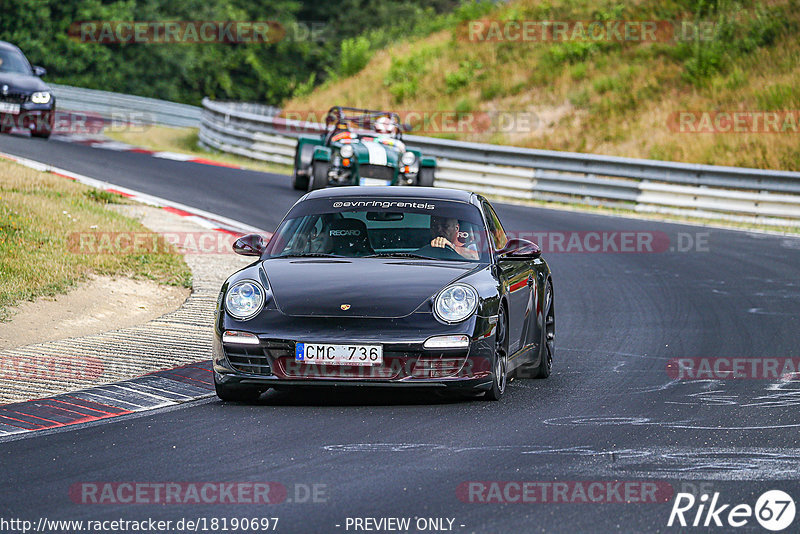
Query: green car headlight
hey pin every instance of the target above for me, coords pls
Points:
(346, 151)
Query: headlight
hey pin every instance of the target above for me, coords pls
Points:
(41, 97)
(245, 299)
(408, 158)
(455, 303)
(346, 151)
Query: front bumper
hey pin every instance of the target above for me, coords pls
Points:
(406, 362)
(339, 175)
(36, 117)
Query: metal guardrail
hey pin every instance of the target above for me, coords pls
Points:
(118, 107)
(703, 191)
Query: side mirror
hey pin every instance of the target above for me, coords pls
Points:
(520, 249)
(39, 71)
(250, 245)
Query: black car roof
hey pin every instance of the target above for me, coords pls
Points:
(439, 193)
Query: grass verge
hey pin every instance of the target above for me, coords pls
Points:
(38, 212)
(184, 141)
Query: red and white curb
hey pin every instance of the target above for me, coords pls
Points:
(201, 217)
(118, 146)
(160, 389)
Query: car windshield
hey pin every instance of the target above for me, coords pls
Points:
(414, 229)
(13, 61)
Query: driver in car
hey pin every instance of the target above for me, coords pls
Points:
(445, 234)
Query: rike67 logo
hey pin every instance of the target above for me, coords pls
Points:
(774, 510)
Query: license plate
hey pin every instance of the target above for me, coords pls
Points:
(373, 181)
(7, 107)
(320, 354)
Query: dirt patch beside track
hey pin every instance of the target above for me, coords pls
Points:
(90, 308)
(130, 345)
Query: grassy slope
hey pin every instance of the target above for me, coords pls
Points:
(606, 98)
(38, 212)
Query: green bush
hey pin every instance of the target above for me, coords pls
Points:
(604, 84)
(736, 33)
(455, 80)
(778, 97)
(579, 98)
(103, 197)
(355, 54)
(473, 10)
(491, 91)
(571, 52)
(578, 71)
(402, 78)
(465, 105)
(404, 90)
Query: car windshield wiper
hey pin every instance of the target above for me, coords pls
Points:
(310, 255)
(400, 255)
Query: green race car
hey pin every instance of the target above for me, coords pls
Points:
(359, 147)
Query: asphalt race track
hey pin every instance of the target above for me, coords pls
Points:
(610, 411)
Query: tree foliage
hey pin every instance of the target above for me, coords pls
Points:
(186, 72)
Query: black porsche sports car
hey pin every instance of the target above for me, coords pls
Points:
(384, 286)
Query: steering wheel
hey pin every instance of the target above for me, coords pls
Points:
(443, 253)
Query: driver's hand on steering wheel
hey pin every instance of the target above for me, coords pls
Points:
(442, 242)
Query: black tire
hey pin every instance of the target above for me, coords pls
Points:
(319, 176)
(303, 170)
(548, 344)
(500, 361)
(237, 394)
(425, 178)
(300, 182)
(40, 135)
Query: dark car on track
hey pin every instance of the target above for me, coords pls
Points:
(25, 100)
(385, 286)
(359, 147)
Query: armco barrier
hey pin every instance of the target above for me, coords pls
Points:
(704, 191)
(127, 108)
